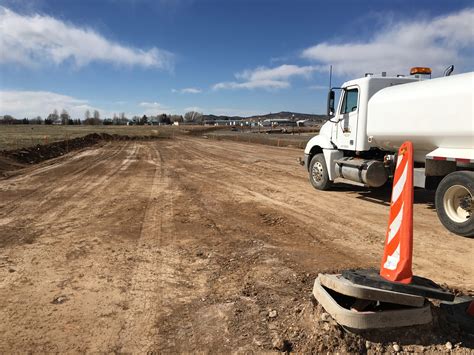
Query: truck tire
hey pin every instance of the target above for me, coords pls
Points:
(318, 173)
(454, 202)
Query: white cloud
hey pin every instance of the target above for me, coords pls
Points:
(187, 91)
(437, 43)
(267, 78)
(318, 87)
(283, 72)
(39, 39)
(156, 105)
(154, 108)
(30, 104)
(224, 111)
(194, 108)
(235, 112)
(279, 59)
(262, 84)
(191, 91)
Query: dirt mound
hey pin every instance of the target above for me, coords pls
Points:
(39, 152)
(15, 159)
(200, 130)
(7, 164)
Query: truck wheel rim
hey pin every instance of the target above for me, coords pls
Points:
(457, 203)
(318, 172)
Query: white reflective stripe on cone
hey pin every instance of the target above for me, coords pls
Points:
(392, 260)
(395, 226)
(398, 188)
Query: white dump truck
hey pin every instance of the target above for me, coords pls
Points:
(376, 114)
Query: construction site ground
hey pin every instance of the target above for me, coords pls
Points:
(192, 244)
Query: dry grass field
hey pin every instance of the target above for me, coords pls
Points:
(275, 139)
(20, 136)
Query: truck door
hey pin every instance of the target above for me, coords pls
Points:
(346, 128)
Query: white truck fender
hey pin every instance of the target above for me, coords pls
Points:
(318, 141)
(324, 145)
(330, 156)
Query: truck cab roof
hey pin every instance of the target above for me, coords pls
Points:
(384, 81)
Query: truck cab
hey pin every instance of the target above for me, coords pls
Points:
(343, 138)
(349, 122)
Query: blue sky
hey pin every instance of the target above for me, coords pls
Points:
(221, 57)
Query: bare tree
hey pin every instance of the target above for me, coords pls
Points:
(135, 120)
(65, 117)
(143, 120)
(37, 120)
(193, 116)
(52, 117)
(7, 119)
(95, 120)
(123, 119)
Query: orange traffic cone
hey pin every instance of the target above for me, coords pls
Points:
(397, 256)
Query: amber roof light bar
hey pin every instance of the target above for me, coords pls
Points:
(420, 70)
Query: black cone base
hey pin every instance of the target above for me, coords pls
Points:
(419, 285)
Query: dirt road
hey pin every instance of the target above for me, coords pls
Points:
(188, 244)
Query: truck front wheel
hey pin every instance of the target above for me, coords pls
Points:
(454, 202)
(318, 173)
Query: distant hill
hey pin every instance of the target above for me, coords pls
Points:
(278, 115)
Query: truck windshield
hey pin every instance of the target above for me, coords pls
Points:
(351, 97)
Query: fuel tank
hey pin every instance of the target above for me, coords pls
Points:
(369, 172)
(432, 114)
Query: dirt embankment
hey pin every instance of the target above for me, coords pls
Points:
(18, 158)
(192, 245)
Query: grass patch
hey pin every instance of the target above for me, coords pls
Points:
(14, 137)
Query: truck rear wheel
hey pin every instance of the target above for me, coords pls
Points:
(318, 173)
(454, 202)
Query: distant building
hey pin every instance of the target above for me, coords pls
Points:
(274, 122)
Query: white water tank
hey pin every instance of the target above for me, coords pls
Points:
(432, 114)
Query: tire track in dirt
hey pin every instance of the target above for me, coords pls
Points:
(322, 241)
(360, 227)
(226, 239)
(58, 200)
(237, 174)
(144, 294)
(181, 246)
(74, 171)
(76, 238)
(112, 165)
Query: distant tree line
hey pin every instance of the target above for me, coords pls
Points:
(64, 118)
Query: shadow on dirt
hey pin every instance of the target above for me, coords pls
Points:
(383, 194)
